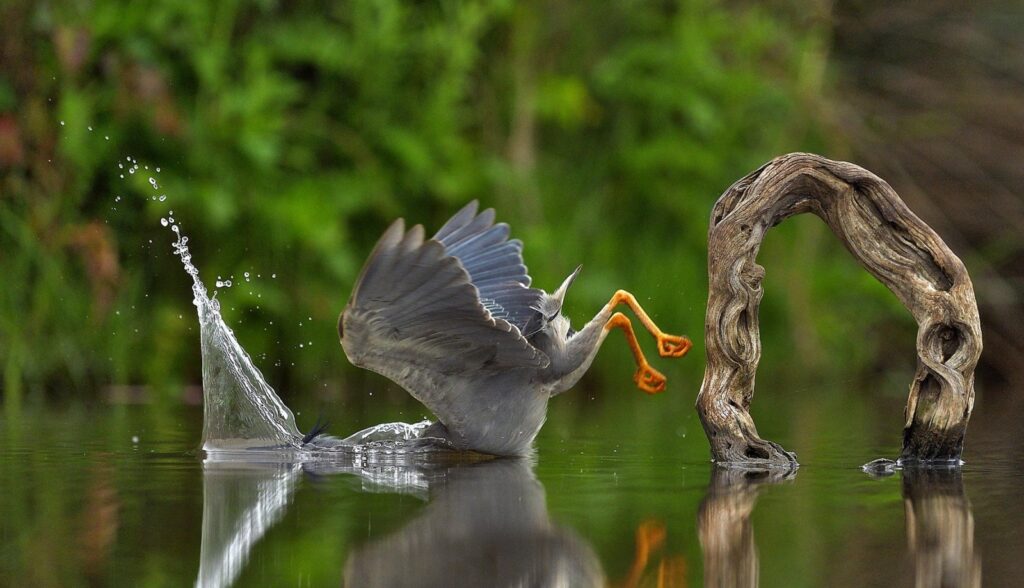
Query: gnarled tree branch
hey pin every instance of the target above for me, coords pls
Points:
(889, 241)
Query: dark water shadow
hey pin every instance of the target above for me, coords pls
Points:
(485, 524)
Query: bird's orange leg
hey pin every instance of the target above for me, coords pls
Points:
(668, 345)
(646, 377)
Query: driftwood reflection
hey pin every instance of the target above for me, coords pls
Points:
(723, 522)
(940, 528)
(486, 524)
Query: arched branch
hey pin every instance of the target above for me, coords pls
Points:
(889, 241)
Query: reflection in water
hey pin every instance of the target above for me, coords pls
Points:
(241, 502)
(940, 528)
(670, 572)
(486, 524)
(723, 522)
(247, 493)
(101, 520)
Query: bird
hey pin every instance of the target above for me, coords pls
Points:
(453, 320)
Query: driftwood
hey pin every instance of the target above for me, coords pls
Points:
(889, 241)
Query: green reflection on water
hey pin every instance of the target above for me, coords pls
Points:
(83, 503)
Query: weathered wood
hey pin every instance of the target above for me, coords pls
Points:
(889, 241)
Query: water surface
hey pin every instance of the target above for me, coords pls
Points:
(121, 495)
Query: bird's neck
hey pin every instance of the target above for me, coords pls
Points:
(577, 353)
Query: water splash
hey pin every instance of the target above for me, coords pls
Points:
(241, 412)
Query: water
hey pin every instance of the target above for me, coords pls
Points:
(242, 414)
(122, 495)
(83, 504)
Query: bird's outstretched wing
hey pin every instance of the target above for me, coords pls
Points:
(415, 317)
(494, 264)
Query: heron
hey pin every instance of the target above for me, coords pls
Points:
(453, 320)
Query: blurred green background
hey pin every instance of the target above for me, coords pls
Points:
(289, 134)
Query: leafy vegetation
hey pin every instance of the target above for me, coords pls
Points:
(287, 135)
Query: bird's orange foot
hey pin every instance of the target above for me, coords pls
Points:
(649, 379)
(673, 345)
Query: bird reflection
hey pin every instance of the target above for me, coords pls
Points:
(486, 524)
(940, 528)
(243, 499)
(723, 522)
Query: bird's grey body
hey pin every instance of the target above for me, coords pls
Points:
(452, 319)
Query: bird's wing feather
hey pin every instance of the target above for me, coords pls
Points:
(494, 264)
(415, 317)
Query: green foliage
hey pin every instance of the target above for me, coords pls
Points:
(289, 134)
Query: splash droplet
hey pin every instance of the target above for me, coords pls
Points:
(61, 123)
(163, 197)
(164, 222)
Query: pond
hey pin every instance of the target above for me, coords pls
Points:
(617, 494)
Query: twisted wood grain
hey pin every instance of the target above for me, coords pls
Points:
(891, 243)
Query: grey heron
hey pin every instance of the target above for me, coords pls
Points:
(453, 320)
